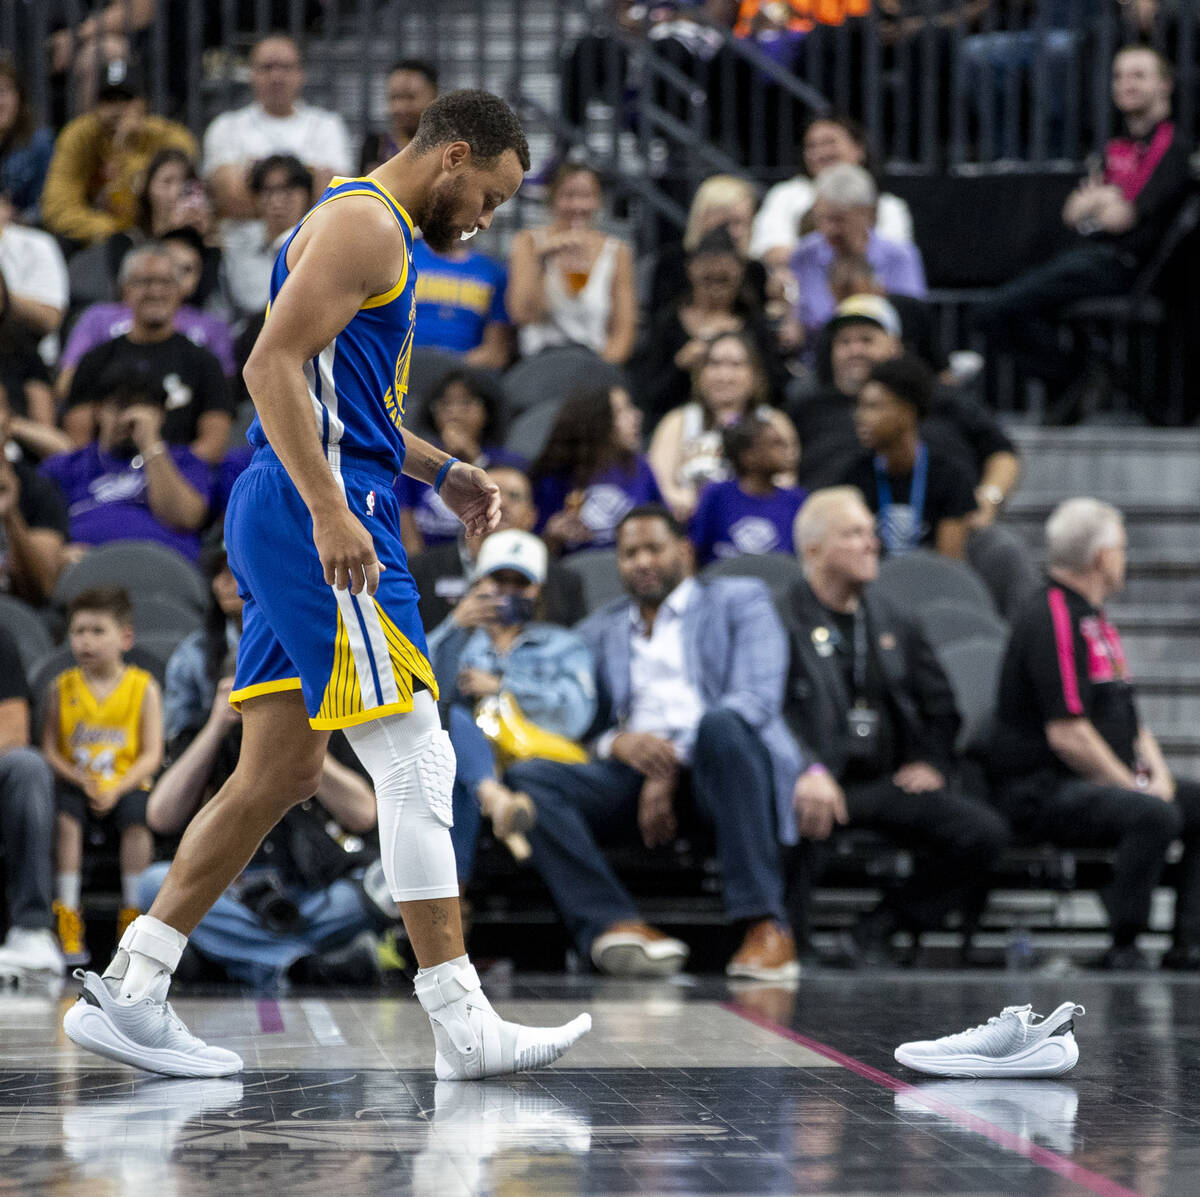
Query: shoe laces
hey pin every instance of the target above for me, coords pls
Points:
(1007, 1012)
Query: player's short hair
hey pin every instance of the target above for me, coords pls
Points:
(417, 66)
(484, 121)
(110, 600)
(1077, 530)
(653, 511)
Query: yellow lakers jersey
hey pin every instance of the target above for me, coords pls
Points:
(102, 738)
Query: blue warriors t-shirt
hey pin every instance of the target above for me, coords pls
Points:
(730, 523)
(358, 382)
(457, 300)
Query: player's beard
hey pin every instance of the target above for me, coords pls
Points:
(439, 228)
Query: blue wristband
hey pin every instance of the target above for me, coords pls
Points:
(441, 474)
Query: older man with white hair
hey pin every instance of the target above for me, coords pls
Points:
(875, 719)
(1071, 760)
(844, 210)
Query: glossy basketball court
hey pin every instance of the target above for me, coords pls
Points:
(683, 1087)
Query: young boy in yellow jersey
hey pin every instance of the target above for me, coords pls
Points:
(103, 738)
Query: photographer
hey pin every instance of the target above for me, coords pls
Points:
(302, 896)
(129, 483)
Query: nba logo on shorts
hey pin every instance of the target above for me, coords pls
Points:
(370, 502)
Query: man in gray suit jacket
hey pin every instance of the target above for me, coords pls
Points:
(690, 677)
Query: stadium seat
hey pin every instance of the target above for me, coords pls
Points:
(948, 621)
(780, 571)
(162, 618)
(923, 576)
(1006, 565)
(529, 430)
(29, 633)
(554, 374)
(597, 569)
(973, 668)
(143, 567)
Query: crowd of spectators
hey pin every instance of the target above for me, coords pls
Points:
(776, 392)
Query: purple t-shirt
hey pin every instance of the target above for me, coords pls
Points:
(897, 266)
(438, 524)
(606, 499)
(107, 500)
(104, 321)
(730, 523)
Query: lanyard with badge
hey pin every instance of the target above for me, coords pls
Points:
(862, 719)
(889, 533)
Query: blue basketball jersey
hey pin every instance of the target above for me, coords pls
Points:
(358, 382)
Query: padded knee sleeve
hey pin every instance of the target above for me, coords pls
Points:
(411, 762)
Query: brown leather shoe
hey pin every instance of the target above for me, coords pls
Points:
(768, 953)
(633, 949)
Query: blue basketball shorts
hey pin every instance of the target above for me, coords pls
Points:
(354, 657)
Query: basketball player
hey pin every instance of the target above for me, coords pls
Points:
(331, 636)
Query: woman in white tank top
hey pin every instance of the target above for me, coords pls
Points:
(569, 283)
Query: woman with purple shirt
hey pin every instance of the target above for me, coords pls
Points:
(591, 471)
(749, 513)
(466, 418)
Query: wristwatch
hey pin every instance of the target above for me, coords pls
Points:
(991, 494)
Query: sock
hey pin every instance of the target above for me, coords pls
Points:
(69, 888)
(129, 890)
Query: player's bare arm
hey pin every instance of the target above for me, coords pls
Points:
(344, 254)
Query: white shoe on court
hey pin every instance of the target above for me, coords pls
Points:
(473, 1041)
(29, 954)
(1016, 1042)
(145, 1032)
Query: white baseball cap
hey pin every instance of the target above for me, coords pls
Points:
(512, 549)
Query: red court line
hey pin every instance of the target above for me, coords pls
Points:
(270, 1016)
(1044, 1158)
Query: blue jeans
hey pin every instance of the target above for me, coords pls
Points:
(27, 835)
(230, 935)
(581, 806)
(473, 763)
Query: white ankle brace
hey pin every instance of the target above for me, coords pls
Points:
(411, 762)
(148, 948)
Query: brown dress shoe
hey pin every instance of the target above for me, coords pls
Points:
(633, 949)
(768, 953)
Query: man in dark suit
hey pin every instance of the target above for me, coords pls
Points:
(443, 573)
(875, 719)
(690, 677)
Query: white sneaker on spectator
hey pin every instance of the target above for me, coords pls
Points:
(29, 954)
(472, 1040)
(144, 1032)
(632, 949)
(1016, 1042)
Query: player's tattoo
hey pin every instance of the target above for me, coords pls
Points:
(439, 915)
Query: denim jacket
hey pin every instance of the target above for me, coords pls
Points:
(550, 671)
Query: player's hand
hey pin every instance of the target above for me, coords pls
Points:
(473, 497)
(347, 552)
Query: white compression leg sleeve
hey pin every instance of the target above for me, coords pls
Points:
(411, 762)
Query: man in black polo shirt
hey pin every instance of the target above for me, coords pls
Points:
(198, 406)
(1120, 214)
(921, 496)
(1071, 761)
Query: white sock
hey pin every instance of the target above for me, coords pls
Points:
(69, 889)
(129, 890)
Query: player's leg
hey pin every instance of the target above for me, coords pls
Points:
(411, 763)
(125, 1015)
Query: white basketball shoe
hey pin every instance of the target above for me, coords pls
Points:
(1016, 1042)
(145, 1032)
(30, 955)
